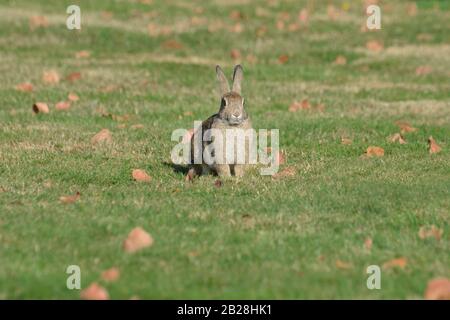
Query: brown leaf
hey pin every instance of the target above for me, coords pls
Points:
(38, 22)
(428, 232)
(283, 58)
(303, 105)
(103, 136)
(412, 9)
(343, 265)
(172, 44)
(137, 126)
(374, 152)
(398, 263)
(397, 137)
(423, 70)
(73, 97)
(237, 28)
(286, 172)
(280, 25)
(70, 199)
(340, 60)
(74, 76)
(236, 15)
(40, 107)
(50, 77)
(303, 16)
(368, 243)
(82, 54)
(374, 46)
(433, 147)
(140, 175)
(235, 54)
(137, 239)
(405, 127)
(24, 87)
(218, 183)
(346, 141)
(62, 105)
(94, 292)
(111, 274)
(438, 289)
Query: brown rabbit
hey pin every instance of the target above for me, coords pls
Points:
(231, 115)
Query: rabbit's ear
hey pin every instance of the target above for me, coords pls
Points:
(238, 75)
(223, 82)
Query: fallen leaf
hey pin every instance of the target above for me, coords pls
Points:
(397, 137)
(252, 59)
(94, 292)
(38, 22)
(433, 147)
(62, 105)
(374, 152)
(137, 239)
(82, 54)
(303, 16)
(74, 76)
(374, 46)
(2, 189)
(283, 58)
(73, 97)
(40, 107)
(412, 9)
(261, 31)
(423, 70)
(235, 54)
(218, 183)
(236, 15)
(343, 265)
(398, 262)
(172, 44)
(428, 232)
(438, 289)
(103, 136)
(286, 172)
(50, 77)
(368, 243)
(70, 199)
(111, 274)
(140, 175)
(303, 105)
(346, 141)
(237, 28)
(24, 87)
(405, 127)
(137, 126)
(340, 60)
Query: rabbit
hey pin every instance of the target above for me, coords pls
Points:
(231, 115)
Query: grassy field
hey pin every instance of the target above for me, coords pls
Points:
(151, 64)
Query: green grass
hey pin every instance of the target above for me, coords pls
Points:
(254, 237)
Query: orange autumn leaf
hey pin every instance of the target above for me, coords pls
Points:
(24, 87)
(286, 172)
(396, 263)
(438, 289)
(73, 97)
(429, 232)
(103, 136)
(38, 22)
(237, 28)
(374, 152)
(368, 243)
(343, 265)
(111, 274)
(74, 76)
(62, 105)
(405, 127)
(172, 44)
(40, 107)
(303, 105)
(303, 16)
(374, 46)
(283, 58)
(340, 60)
(346, 141)
(140, 175)
(423, 70)
(94, 292)
(70, 199)
(235, 54)
(82, 54)
(397, 137)
(433, 147)
(137, 239)
(50, 77)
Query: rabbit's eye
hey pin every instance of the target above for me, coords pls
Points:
(224, 102)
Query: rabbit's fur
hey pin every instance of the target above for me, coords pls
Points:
(231, 115)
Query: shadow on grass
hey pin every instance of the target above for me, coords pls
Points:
(178, 168)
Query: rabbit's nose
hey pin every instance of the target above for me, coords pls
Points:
(236, 115)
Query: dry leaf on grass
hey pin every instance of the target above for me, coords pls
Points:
(286, 172)
(237, 28)
(235, 54)
(50, 77)
(71, 198)
(137, 239)
(218, 183)
(137, 126)
(73, 97)
(62, 105)
(346, 141)
(38, 22)
(428, 232)
(405, 127)
(303, 105)
(74, 76)
(283, 58)
(368, 243)
(303, 16)
(398, 263)
(423, 70)
(412, 9)
(397, 137)
(343, 265)
(438, 289)
(24, 87)
(111, 274)
(103, 136)
(82, 54)
(374, 152)
(374, 46)
(40, 107)
(94, 292)
(140, 175)
(172, 44)
(340, 61)
(433, 147)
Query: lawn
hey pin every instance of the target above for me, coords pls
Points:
(145, 69)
